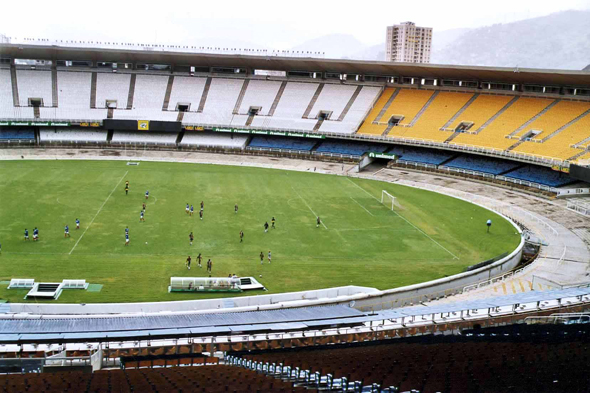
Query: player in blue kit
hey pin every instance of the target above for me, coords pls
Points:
(126, 238)
(147, 194)
(26, 234)
(77, 224)
(67, 231)
(141, 216)
(35, 234)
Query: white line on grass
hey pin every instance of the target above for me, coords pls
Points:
(406, 220)
(93, 218)
(310, 209)
(361, 206)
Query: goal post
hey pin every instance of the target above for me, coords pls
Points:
(387, 199)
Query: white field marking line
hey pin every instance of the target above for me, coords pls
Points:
(310, 209)
(361, 206)
(406, 220)
(93, 218)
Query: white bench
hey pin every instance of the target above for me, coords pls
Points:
(75, 284)
(17, 283)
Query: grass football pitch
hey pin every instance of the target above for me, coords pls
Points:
(361, 242)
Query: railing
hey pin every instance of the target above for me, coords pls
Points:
(559, 318)
(528, 184)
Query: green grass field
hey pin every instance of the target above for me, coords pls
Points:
(363, 242)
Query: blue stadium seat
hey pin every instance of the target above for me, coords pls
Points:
(541, 175)
(482, 164)
(424, 156)
(282, 143)
(350, 148)
(15, 134)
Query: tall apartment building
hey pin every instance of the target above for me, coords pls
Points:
(407, 43)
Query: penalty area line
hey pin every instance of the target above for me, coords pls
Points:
(99, 210)
(406, 220)
(309, 207)
(364, 208)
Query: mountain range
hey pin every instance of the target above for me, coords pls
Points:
(556, 41)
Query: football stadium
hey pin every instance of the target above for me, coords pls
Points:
(177, 220)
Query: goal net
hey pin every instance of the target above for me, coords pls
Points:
(387, 199)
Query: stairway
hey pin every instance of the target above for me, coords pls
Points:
(241, 97)
(389, 127)
(54, 95)
(387, 105)
(313, 101)
(204, 95)
(110, 136)
(168, 93)
(93, 89)
(275, 103)
(180, 116)
(452, 119)
(318, 124)
(15, 99)
(569, 123)
(180, 136)
(532, 119)
(415, 119)
(491, 119)
(37, 112)
(110, 112)
(350, 102)
(249, 120)
(131, 91)
(452, 136)
(514, 146)
(578, 155)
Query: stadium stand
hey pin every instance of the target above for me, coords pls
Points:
(221, 100)
(355, 114)
(72, 135)
(481, 110)
(214, 140)
(560, 144)
(440, 110)
(557, 116)
(261, 94)
(114, 87)
(483, 164)
(540, 175)
(186, 90)
(420, 155)
(290, 109)
(217, 378)
(17, 134)
(494, 134)
(333, 98)
(34, 84)
(74, 97)
(501, 359)
(148, 99)
(139, 137)
(350, 148)
(282, 143)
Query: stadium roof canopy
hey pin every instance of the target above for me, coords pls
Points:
(526, 76)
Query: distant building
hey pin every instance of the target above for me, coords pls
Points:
(407, 43)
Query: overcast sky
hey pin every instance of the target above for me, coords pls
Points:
(264, 23)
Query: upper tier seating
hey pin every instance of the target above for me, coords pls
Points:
(111, 86)
(541, 175)
(74, 98)
(332, 98)
(481, 110)
(483, 164)
(214, 140)
(441, 110)
(187, 90)
(143, 137)
(291, 107)
(283, 143)
(356, 113)
(17, 133)
(73, 135)
(221, 100)
(350, 148)
(425, 156)
(259, 93)
(34, 84)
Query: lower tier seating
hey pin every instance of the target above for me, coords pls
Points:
(540, 175)
(350, 148)
(282, 143)
(17, 134)
(425, 156)
(483, 164)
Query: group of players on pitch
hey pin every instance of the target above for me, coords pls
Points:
(141, 212)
